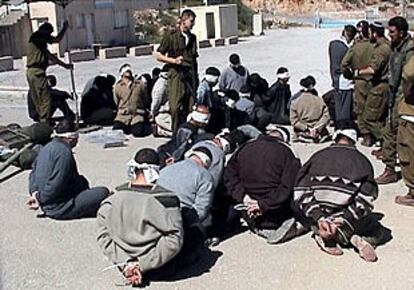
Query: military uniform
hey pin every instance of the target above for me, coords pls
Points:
(375, 109)
(182, 79)
(37, 63)
(131, 100)
(357, 57)
(399, 57)
(405, 139)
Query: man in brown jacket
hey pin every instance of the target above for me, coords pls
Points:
(131, 100)
(309, 115)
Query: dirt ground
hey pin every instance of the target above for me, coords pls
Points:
(44, 254)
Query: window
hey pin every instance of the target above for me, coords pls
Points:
(121, 19)
(80, 21)
(101, 4)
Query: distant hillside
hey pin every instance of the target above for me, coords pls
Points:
(307, 7)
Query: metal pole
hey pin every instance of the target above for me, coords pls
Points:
(72, 73)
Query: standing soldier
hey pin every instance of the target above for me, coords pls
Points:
(38, 59)
(405, 138)
(357, 57)
(178, 50)
(402, 49)
(375, 110)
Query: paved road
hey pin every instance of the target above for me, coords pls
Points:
(45, 254)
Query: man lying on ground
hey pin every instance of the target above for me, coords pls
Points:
(141, 228)
(260, 177)
(55, 185)
(334, 196)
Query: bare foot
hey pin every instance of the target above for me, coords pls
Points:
(329, 247)
(366, 250)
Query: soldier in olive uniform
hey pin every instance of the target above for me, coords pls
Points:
(38, 59)
(402, 49)
(375, 109)
(405, 137)
(357, 57)
(178, 50)
(131, 99)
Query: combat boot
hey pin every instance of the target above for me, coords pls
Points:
(388, 176)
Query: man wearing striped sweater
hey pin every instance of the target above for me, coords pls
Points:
(334, 196)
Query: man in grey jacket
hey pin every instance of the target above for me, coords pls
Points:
(55, 184)
(235, 76)
(192, 182)
(141, 227)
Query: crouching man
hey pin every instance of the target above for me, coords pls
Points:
(334, 196)
(55, 184)
(141, 228)
(260, 177)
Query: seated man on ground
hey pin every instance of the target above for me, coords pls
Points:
(160, 116)
(234, 76)
(334, 195)
(192, 183)
(260, 177)
(280, 94)
(205, 88)
(258, 90)
(55, 184)
(131, 100)
(141, 228)
(309, 115)
(97, 101)
(58, 101)
(187, 135)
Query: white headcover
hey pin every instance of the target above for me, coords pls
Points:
(284, 75)
(199, 117)
(124, 69)
(66, 135)
(204, 157)
(274, 128)
(224, 143)
(350, 133)
(211, 79)
(151, 171)
(230, 103)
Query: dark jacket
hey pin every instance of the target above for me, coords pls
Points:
(55, 176)
(265, 169)
(337, 181)
(337, 51)
(279, 95)
(183, 140)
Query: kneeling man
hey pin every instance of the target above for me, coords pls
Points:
(260, 177)
(334, 196)
(141, 227)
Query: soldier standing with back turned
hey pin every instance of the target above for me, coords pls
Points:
(38, 59)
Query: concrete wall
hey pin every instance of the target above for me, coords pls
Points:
(14, 38)
(98, 21)
(225, 21)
